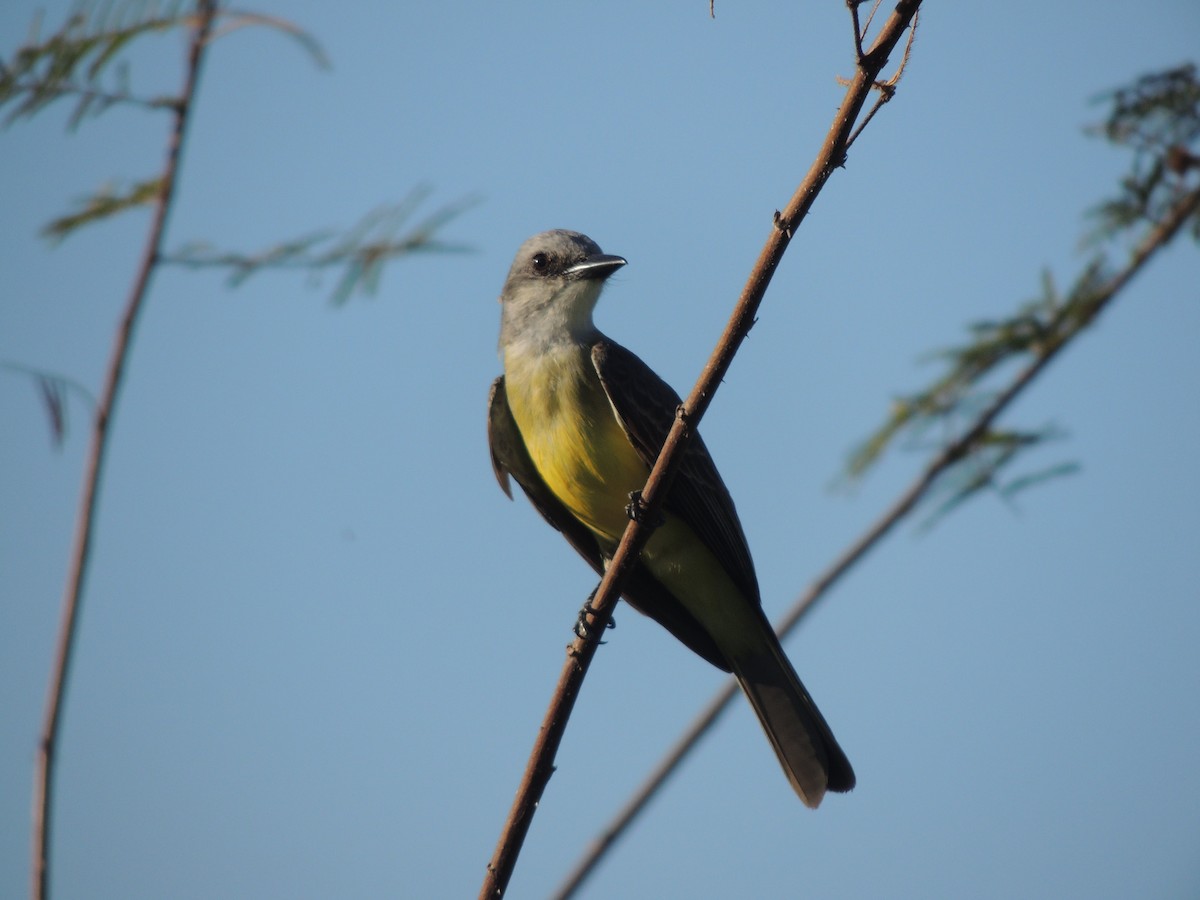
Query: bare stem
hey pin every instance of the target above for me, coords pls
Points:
(1158, 237)
(832, 153)
(43, 789)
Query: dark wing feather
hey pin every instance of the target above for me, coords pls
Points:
(643, 592)
(645, 405)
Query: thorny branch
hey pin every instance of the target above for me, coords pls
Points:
(830, 157)
(1156, 194)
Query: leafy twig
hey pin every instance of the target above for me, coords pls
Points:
(361, 251)
(980, 433)
(43, 803)
(1158, 119)
(76, 60)
(105, 203)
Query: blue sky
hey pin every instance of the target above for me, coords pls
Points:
(317, 639)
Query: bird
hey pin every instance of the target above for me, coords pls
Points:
(578, 421)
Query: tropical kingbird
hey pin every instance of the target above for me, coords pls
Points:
(578, 421)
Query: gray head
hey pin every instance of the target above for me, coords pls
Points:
(553, 287)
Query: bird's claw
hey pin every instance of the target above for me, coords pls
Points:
(636, 510)
(582, 625)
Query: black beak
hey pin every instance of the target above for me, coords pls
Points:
(599, 265)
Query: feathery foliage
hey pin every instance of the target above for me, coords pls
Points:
(360, 252)
(1158, 120)
(83, 58)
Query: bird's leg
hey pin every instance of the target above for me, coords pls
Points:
(582, 625)
(636, 510)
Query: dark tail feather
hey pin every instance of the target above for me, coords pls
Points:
(807, 749)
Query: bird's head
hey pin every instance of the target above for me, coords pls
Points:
(553, 287)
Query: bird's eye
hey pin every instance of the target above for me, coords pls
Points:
(541, 262)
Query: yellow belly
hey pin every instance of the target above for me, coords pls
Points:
(584, 457)
(574, 438)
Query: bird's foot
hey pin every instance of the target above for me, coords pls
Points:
(583, 624)
(636, 510)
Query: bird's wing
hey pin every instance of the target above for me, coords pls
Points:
(645, 405)
(642, 590)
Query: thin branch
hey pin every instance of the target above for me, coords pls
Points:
(1186, 207)
(908, 45)
(40, 374)
(599, 611)
(861, 28)
(43, 800)
(871, 17)
(234, 20)
(53, 389)
(887, 89)
(1157, 120)
(857, 26)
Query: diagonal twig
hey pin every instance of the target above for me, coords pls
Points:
(1184, 209)
(599, 611)
(45, 770)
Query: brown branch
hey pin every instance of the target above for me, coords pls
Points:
(1186, 207)
(43, 798)
(599, 611)
(887, 89)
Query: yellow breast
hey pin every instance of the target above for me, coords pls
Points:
(573, 437)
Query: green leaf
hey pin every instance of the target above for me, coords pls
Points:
(1017, 485)
(103, 204)
(360, 252)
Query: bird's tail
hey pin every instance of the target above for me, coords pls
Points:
(807, 749)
